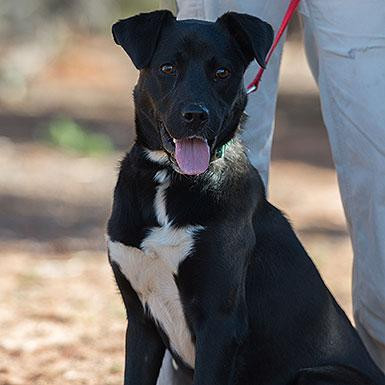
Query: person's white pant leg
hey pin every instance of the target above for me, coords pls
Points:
(258, 133)
(169, 374)
(348, 38)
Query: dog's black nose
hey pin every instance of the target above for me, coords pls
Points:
(195, 114)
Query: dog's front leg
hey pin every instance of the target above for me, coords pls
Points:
(217, 344)
(144, 348)
(144, 353)
(221, 321)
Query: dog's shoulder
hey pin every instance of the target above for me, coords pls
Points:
(132, 209)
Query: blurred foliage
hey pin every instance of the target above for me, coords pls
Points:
(33, 32)
(36, 18)
(70, 136)
(132, 7)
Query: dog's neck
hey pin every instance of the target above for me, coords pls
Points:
(147, 134)
(230, 165)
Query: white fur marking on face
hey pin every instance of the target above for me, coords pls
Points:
(150, 270)
(157, 156)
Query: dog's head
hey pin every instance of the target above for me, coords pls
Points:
(190, 95)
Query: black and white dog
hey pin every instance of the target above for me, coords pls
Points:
(207, 268)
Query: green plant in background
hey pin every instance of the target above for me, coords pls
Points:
(133, 7)
(69, 135)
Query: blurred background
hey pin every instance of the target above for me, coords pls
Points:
(66, 118)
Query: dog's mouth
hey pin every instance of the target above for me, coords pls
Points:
(191, 154)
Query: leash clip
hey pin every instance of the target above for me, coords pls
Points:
(285, 21)
(251, 89)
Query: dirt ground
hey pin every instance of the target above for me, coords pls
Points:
(61, 319)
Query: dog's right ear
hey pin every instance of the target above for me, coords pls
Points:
(253, 35)
(139, 35)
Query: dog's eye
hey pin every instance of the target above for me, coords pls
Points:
(222, 73)
(168, 69)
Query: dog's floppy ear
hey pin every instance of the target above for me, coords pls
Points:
(253, 35)
(138, 35)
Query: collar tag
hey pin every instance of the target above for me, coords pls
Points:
(220, 152)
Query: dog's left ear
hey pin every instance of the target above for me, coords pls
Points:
(253, 35)
(139, 35)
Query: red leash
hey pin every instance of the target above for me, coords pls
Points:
(285, 21)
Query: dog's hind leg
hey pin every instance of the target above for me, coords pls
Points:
(171, 376)
(331, 375)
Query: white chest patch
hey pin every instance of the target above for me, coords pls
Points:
(151, 268)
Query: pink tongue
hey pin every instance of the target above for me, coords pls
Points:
(192, 155)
